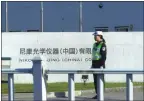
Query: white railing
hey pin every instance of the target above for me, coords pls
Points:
(39, 82)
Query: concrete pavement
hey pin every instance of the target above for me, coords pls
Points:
(113, 95)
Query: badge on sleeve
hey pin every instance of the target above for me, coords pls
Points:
(103, 48)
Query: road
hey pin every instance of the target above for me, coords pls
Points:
(109, 96)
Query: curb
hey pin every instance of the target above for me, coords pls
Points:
(80, 92)
(84, 92)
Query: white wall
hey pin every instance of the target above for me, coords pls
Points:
(125, 51)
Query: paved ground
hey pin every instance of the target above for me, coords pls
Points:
(109, 96)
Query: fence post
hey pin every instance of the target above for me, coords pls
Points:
(40, 93)
(71, 85)
(100, 81)
(10, 87)
(129, 89)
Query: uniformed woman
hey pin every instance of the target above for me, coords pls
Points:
(99, 52)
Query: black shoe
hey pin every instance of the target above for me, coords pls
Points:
(95, 97)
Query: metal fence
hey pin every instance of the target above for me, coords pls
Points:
(39, 80)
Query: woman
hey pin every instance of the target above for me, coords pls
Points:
(98, 55)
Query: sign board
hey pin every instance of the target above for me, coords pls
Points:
(71, 50)
(61, 50)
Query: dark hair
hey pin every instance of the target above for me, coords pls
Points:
(103, 39)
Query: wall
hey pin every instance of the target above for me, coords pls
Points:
(125, 51)
(64, 16)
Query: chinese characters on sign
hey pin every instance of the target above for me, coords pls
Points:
(54, 51)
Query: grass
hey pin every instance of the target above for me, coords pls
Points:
(63, 86)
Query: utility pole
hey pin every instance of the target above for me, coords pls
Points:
(80, 17)
(6, 16)
(42, 16)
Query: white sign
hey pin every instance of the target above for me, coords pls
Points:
(61, 50)
(71, 50)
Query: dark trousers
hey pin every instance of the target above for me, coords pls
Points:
(96, 83)
(95, 80)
